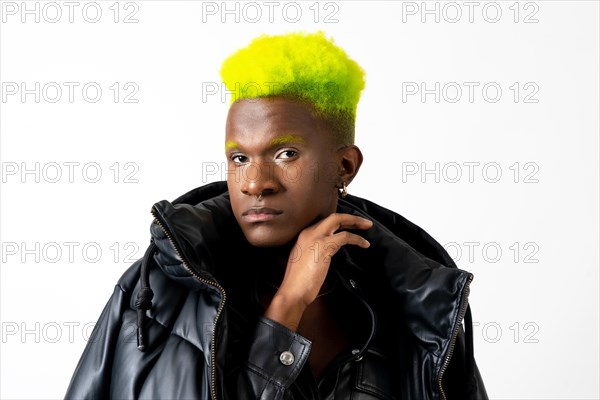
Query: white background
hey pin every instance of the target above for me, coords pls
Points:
(533, 230)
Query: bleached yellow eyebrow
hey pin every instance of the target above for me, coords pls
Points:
(230, 144)
(278, 141)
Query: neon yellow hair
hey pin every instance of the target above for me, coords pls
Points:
(301, 65)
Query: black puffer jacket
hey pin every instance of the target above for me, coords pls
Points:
(179, 343)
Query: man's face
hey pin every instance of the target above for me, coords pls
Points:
(276, 147)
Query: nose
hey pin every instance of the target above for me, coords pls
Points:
(260, 178)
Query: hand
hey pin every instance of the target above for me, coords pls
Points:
(309, 263)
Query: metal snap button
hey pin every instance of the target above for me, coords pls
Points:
(355, 352)
(286, 358)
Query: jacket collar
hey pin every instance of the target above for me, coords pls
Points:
(431, 292)
(399, 226)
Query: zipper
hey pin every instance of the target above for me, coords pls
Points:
(461, 316)
(213, 356)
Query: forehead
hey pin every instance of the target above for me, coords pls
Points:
(267, 119)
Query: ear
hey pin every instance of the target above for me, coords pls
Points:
(350, 160)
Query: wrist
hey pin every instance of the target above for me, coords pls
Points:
(286, 311)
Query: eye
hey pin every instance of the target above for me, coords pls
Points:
(239, 158)
(287, 154)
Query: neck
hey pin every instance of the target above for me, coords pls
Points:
(270, 263)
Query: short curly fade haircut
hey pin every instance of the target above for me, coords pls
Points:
(305, 66)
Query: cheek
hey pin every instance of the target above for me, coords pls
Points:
(297, 174)
(234, 195)
(326, 175)
(314, 185)
(309, 175)
(313, 201)
(232, 180)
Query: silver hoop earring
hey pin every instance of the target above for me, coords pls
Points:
(343, 190)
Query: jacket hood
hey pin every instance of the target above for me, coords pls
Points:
(188, 233)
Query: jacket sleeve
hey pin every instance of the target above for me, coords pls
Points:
(91, 379)
(276, 357)
(462, 380)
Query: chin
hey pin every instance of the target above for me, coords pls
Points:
(259, 237)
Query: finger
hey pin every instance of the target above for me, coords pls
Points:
(336, 241)
(337, 221)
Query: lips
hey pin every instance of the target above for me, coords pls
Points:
(260, 214)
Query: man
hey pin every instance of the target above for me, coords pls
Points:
(278, 284)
